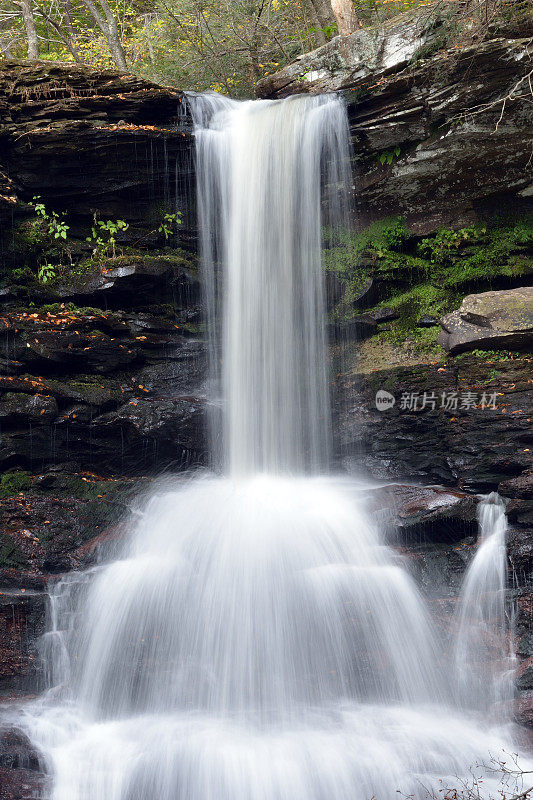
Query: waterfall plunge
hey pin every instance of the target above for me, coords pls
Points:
(254, 639)
(261, 166)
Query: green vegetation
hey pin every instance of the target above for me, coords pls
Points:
(46, 252)
(226, 45)
(11, 483)
(417, 276)
(491, 355)
(167, 227)
(103, 236)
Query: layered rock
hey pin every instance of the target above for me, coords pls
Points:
(463, 423)
(91, 140)
(107, 391)
(491, 320)
(434, 138)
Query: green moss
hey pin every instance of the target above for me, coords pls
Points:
(172, 257)
(417, 276)
(490, 355)
(421, 340)
(13, 482)
(71, 308)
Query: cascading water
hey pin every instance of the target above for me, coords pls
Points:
(483, 659)
(254, 639)
(260, 170)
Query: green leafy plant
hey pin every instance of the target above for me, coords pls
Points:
(46, 273)
(442, 246)
(167, 227)
(54, 223)
(103, 235)
(388, 156)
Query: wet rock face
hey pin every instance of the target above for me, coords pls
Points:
(481, 437)
(421, 514)
(430, 117)
(490, 320)
(111, 392)
(22, 784)
(22, 615)
(21, 775)
(87, 139)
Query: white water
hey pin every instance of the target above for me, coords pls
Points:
(483, 656)
(254, 638)
(261, 167)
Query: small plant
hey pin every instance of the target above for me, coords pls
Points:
(46, 272)
(103, 235)
(442, 246)
(54, 223)
(388, 156)
(167, 226)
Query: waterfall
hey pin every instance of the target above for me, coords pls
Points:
(482, 652)
(261, 169)
(254, 638)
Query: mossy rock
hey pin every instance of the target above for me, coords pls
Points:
(13, 482)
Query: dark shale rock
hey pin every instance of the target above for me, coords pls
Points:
(16, 750)
(22, 615)
(91, 140)
(131, 285)
(115, 392)
(471, 448)
(440, 107)
(520, 507)
(427, 513)
(490, 321)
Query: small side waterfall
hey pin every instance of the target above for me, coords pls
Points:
(254, 638)
(482, 653)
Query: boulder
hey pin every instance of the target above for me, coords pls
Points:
(427, 321)
(383, 315)
(367, 53)
(426, 513)
(490, 321)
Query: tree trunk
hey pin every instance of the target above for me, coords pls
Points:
(345, 15)
(69, 22)
(66, 37)
(108, 25)
(31, 30)
(315, 22)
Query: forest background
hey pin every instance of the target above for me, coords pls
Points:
(224, 45)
